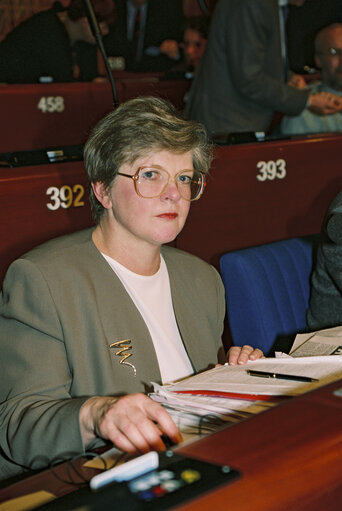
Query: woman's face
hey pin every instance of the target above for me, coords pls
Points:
(153, 221)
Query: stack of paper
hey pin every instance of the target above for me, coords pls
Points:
(230, 394)
(194, 413)
(227, 381)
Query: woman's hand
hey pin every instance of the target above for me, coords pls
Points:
(133, 423)
(240, 355)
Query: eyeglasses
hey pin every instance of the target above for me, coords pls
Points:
(151, 182)
(331, 52)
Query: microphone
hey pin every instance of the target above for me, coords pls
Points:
(96, 31)
(94, 25)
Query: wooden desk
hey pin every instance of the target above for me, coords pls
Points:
(35, 116)
(173, 90)
(39, 203)
(237, 210)
(290, 458)
(45, 115)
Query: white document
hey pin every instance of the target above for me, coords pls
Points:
(203, 405)
(236, 380)
(322, 342)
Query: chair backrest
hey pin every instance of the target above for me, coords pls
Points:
(267, 290)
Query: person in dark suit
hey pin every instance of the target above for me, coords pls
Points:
(89, 320)
(325, 304)
(243, 77)
(55, 45)
(142, 31)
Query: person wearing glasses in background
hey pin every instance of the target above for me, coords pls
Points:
(328, 57)
(89, 320)
(244, 77)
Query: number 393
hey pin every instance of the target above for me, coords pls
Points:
(65, 197)
(271, 169)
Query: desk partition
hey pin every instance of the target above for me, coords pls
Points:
(39, 203)
(33, 116)
(262, 192)
(173, 90)
(257, 193)
(43, 115)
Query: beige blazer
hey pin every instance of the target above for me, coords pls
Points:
(61, 309)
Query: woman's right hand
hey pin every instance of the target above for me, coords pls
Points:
(133, 423)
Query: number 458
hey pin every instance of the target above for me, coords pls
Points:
(50, 104)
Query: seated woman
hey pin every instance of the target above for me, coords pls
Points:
(90, 319)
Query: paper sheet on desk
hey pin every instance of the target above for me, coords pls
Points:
(234, 379)
(322, 342)
(202, 404)
(198, 414)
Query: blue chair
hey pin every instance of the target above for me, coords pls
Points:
(267, 290)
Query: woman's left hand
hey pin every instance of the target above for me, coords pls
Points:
(240, 355)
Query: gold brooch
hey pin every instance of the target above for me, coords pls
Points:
(124, 346)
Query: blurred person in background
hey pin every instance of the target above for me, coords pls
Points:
(55, 45)
(302, 26)
(328, 58)
(325, 303)
(191, 48)
(139, 33)
(243, 77)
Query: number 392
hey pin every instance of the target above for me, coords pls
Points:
(65, 197)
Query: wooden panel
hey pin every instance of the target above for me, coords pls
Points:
(173, 90)
(290, 457)
(26, 219)
(46, 115)
(238, 210)
(38, 116)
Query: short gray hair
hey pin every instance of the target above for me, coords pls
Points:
(134, 129)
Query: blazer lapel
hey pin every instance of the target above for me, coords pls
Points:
(184, 307)
(122, 321)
